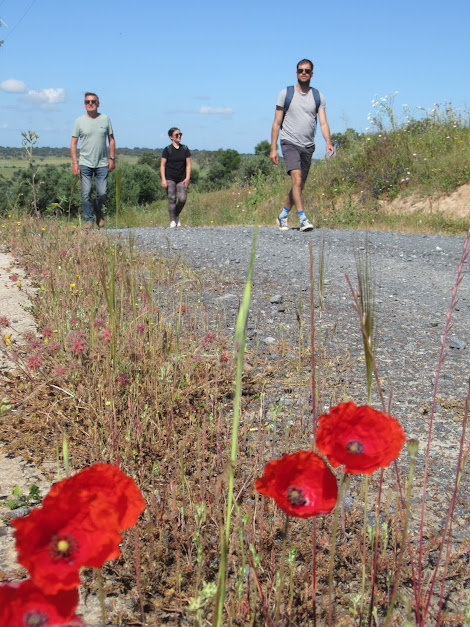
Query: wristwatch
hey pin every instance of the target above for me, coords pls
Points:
(112, 158)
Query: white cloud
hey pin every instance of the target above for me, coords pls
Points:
(216, 111)
(3, 125)
(13, 86)
(45, 98)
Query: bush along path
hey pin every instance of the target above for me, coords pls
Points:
(163, 310)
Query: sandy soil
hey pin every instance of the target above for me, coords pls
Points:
(455, 205)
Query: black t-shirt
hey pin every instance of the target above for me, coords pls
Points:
(175, 167)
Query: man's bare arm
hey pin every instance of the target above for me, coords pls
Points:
(73, 154)
(275, 134)
(112, 152)
(325, 131)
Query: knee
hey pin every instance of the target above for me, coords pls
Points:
(297, 182)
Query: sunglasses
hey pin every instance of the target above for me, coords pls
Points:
(91, 101)
(303, 71)
(178, 135)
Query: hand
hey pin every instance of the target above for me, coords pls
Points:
(186, 183)
(330, 149)
(75, 169)
(274, 157)
(111, 165)
(164, 184)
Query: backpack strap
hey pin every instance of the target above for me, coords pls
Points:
(316, 97)
(287, 101)
(290, 95)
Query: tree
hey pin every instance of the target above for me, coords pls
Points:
(344, 140)
(263, 148)
(150, 159)
(230, 160)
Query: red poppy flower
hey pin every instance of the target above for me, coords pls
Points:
(360, 438)
(22, 604)
(107, 482)
(55, 541)
(301, 484)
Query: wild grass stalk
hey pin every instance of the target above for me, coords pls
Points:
(240, 338)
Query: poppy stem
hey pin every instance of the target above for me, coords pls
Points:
(364, 543)
(342, 488)
(281, 572)
(412, 450)
(99, 580)
(314, 573)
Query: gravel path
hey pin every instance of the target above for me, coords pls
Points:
(414, 277)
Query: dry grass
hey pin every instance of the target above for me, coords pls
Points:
(127, 365)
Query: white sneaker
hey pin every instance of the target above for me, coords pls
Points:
(306, 225)
(172, 224)
(178, 222)
(282, 224)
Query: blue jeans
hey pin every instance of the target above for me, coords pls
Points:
(101, 185)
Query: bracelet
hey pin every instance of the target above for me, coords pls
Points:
(112, 159)
(74, 162)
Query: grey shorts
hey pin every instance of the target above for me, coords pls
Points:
(297, 158)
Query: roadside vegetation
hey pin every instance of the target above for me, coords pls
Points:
(425, 155)
(129, 367)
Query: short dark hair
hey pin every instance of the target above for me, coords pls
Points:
(172, 130)
(91, 93)
(305, 61)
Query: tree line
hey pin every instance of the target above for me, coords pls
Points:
(56, 190)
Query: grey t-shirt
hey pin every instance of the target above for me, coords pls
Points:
(299, 124)
(93, 133)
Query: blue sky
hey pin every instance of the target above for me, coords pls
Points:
(214, 69)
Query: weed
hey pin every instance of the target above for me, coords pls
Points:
(20, 498)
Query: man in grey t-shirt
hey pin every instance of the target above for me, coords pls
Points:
(298, 128)
(93, 129)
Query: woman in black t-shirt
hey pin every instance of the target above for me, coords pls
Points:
(175, 171)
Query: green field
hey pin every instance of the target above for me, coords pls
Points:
(10, 164)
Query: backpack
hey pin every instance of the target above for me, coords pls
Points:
(290, 95)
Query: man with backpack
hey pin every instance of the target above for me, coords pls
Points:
(297, 109)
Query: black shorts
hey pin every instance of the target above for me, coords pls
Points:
(297, 158)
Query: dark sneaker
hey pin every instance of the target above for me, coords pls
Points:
(282, 224)
(305, 225)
